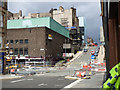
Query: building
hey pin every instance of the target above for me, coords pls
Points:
(111, 26)
(89, 40)
(102, 37)
(69, 19)
(82, 30)
(65, 17)
(36, 38)
(3, 28)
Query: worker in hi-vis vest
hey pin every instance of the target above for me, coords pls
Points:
(113, 82)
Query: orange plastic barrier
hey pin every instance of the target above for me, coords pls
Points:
(12, 70)
(78, 74)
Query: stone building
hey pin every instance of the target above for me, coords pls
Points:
(3, 28)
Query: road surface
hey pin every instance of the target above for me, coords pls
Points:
(54, 79)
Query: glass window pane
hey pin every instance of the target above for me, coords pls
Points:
(21, 41)
(25, 51)
(16, 51)
(0, 3)
(16, 41)
(21, 51)
(11, 51)
(26, 41)
(1, 20)
(11, 41)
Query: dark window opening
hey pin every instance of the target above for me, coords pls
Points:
(25, 51)
(21, 51)
(21, 41)
(16, 51)
(11, 41)
(26, 41)
(16, 41)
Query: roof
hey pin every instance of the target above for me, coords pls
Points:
(38, 22)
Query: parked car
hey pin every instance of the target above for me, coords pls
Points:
(85, 50)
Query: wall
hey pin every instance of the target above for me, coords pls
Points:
(36, 37)
(55, 45)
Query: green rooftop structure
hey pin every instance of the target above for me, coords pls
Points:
(38, 22)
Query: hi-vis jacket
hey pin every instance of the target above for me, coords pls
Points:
(113, 82)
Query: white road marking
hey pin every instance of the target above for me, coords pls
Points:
(58, 85)
(17, 81)
(72, 84)
(60, 79)
(30, 79)
(42, 84)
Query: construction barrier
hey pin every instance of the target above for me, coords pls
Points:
(12, 70)
(78, 74)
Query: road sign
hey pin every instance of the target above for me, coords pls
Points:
(92, 57)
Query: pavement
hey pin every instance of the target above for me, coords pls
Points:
(9, 76)
(95, 81)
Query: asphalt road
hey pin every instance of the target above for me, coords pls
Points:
(42, 81)
(82, 59)
(53, 79)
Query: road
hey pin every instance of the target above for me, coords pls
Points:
(54, 79)
(37, 82)
(82, 59)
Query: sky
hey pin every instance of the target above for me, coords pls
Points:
(90, 10)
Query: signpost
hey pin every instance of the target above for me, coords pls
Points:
(92, 57)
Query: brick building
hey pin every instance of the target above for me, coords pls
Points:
(36, 38)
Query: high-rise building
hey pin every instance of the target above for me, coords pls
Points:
(82, 29)
(3, 28)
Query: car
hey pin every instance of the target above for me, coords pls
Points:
(85, 50)
(96, 54)
(97, 51)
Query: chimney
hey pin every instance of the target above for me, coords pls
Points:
(61, 8)
(20, 13)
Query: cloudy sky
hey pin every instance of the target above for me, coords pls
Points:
(89, 10)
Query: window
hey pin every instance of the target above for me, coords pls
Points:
(11, 41)
(21, 51)
(25, 51)
(7, 41)
(16, 41)
(16, 51)
(0, 3)
(1, 20)
(11, 51)
(26, 41)
(64, 22)
(21, 41)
